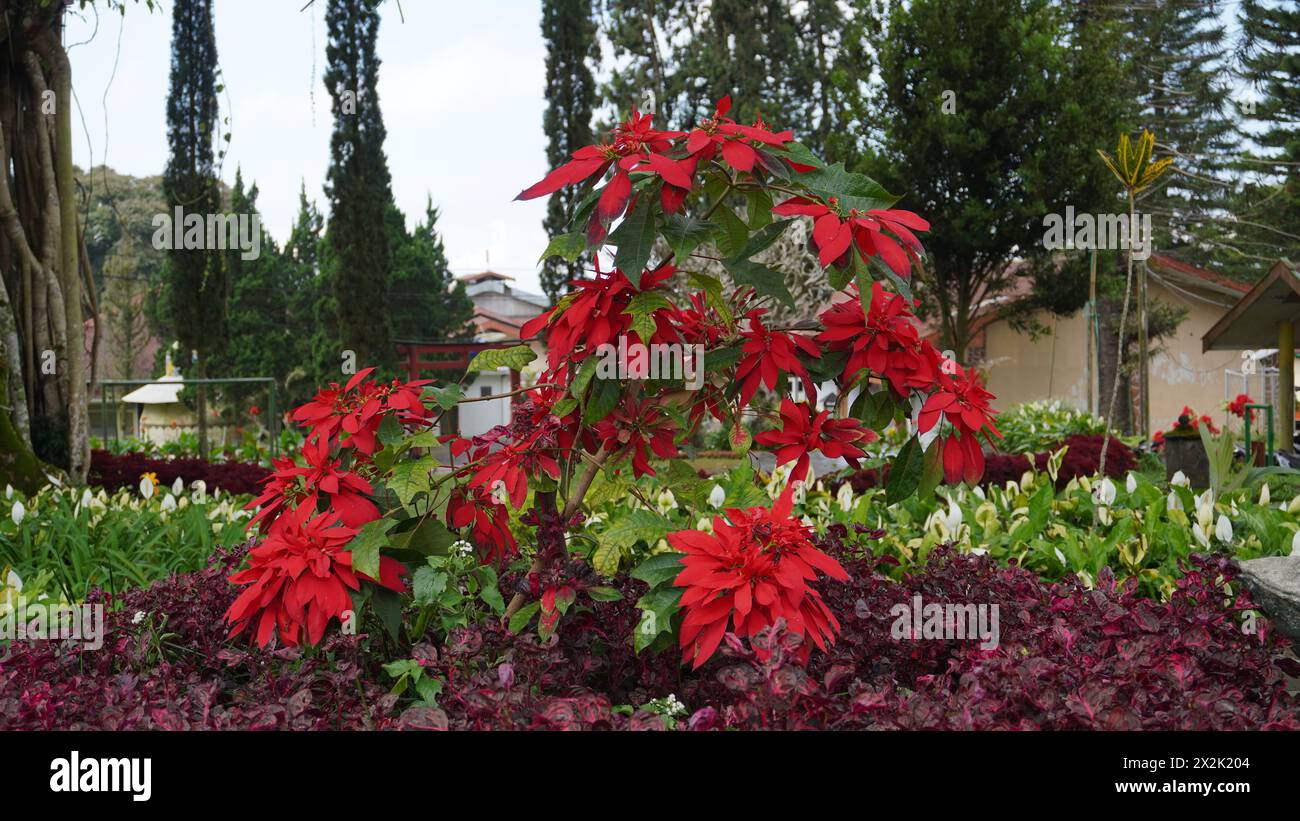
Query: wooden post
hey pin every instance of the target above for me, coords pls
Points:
(1286, 386)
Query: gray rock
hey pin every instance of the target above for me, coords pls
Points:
(1274, 584)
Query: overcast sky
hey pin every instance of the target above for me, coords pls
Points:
(460, 87)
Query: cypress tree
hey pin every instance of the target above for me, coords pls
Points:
(358, 185)
(570, 35)
(199, 288)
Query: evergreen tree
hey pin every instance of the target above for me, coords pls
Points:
(987, 123)
(313, 320)
(199, 289)
(1271, 64)
(570, 35)
(359, 185)
(426, 301)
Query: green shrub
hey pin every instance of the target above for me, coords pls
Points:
(1032, 427)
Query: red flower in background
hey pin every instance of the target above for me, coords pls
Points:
(298, 579)
(1237, 407)
(886, 343)
(766, 354)
(491, 521)
(803, 431)
(835, 231)
(750, 572)
(638, 428)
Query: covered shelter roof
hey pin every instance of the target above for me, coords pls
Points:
(1253, 321)
(165, 391)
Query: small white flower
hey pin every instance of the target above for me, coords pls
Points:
(1263, 494)
(1295, 544)
(1223, 529)
(1061, 557)
(666, 501)
(979, 491)
(15, 583)
(138, 617)
(1200, 534)
(146, 487)
(178, 486)
(18, 513)
(54, 480)
(87, 498)
(953, 519)
(9, 492)
(1131, 483)
(705, 524)
(1174, 503)
(717, 496)
(1105, 491)
(169, 502)
(1180, 479)
(1103, 516)
(844, 496)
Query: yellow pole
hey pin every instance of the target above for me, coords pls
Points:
(1286, 386)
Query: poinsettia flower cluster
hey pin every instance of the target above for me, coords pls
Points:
(754, 568)
(299, 577)
(804, 431)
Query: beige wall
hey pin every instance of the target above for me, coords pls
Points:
(1020, 369)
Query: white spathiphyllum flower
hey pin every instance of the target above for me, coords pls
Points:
(666, 501)
(1223, 529)
(705, 524)
(844, 496)
(169, 502)
(979, 492)
(87, 498)
(1105, 491)
(1103, 516)
(1180, 479)
(18, 513)
(1174, 503)
(146, 487)
(54, 480)
(1061, 557)
(1200, 534)
(1131, 483)
(807, 521)
(1295, 544)
(954, 518)
(15, 583)
(717, 496)
(1263, 494)
(9, 492)
(178, 486)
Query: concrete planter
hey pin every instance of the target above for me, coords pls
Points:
(1187, 453)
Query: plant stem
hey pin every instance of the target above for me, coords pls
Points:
(1119, 346)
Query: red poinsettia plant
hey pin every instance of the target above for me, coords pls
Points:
(674, 222)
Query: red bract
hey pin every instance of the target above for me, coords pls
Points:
(357, 409)
(887, 343)
(636, 148)
(637, 428)
(834, 231)
(965, 404)
(491, 522)
(804, 430)
(592, 315)
(751, 571)
(766, 354)
(738, 144)
(347, 493)
(512, 464)
(298, 579)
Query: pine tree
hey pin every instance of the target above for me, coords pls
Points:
(1271, 64)
(571, 46)
(359, 185)
(199, 289)
(312, 321)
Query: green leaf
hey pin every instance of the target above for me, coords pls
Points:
(606, 558)
(760, 207)
(582, 378)
(905, 474)
(659, 568)
(721, 358)
(390, 430)
(763, 239)
(568, 246)
(634, 526)
(564, 407)
(932, 474)
(800, 153)
(447, 397)
(388, 606)
(764, 280)
(427, 584)
(516, 359)
(604, 398)
(853, 190)
(900, 285)
(524, 615)
(429, 537)
(735, 233)
(635, 238)
(712, 288)
(604, 594)
(364, 547)
(411, 477)
(684, 234)
(641, 308)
